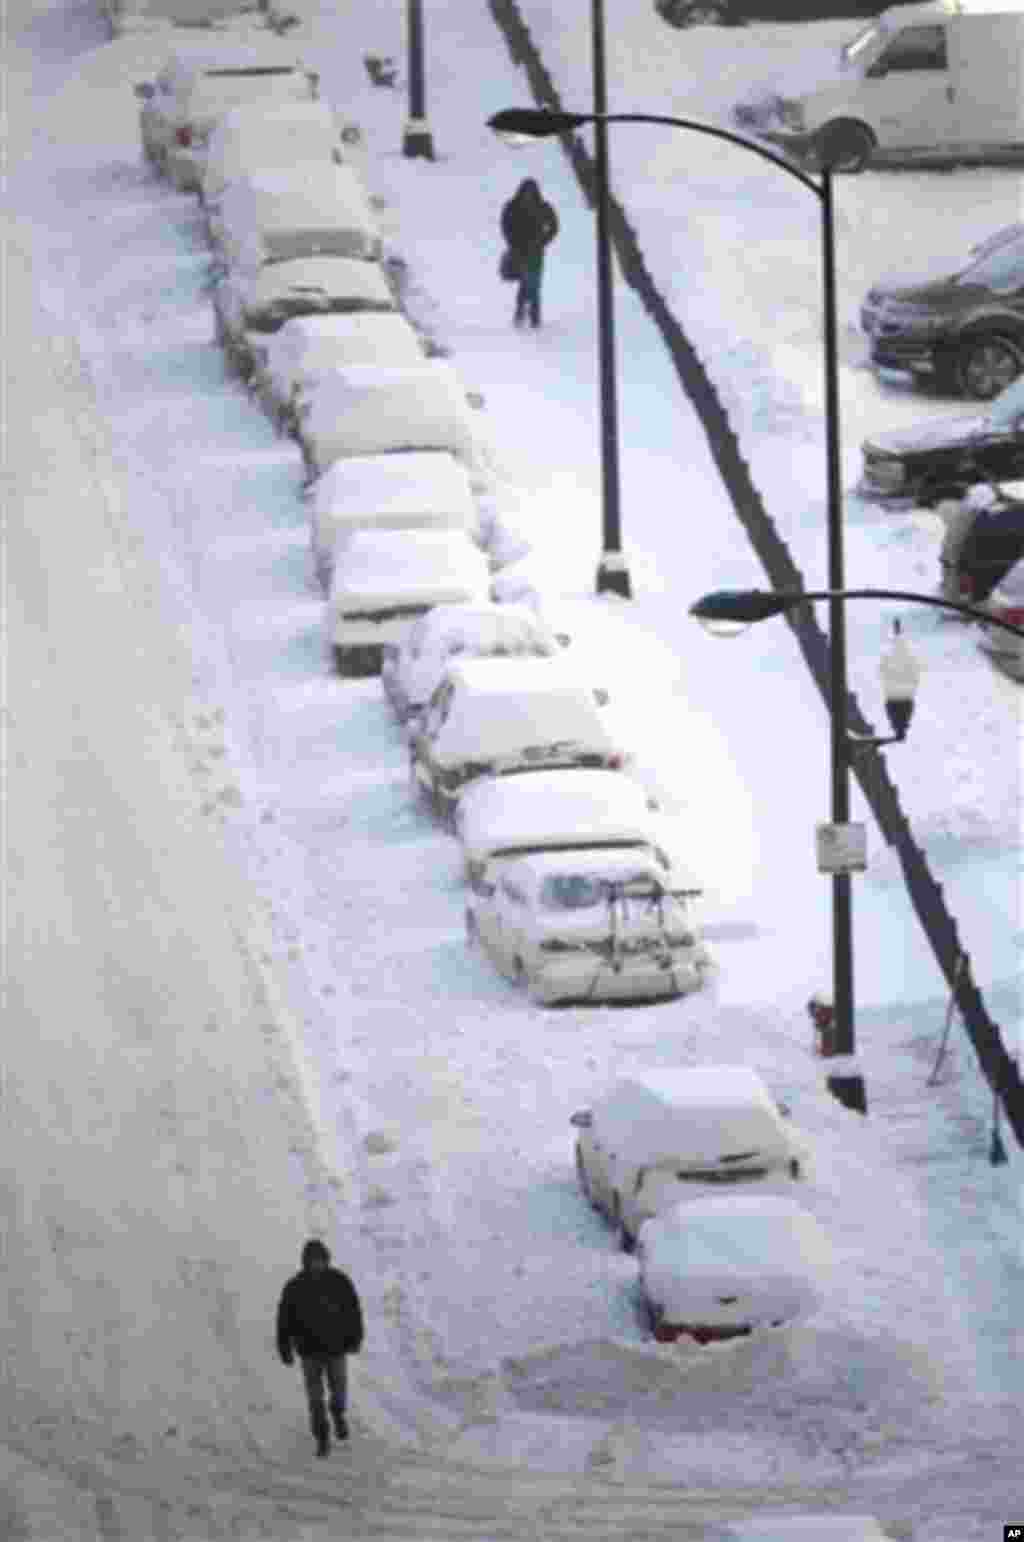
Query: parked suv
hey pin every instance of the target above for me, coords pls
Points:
(964, 331)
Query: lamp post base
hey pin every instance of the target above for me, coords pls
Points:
(613, 575)
(417, 141)
(849, 1091)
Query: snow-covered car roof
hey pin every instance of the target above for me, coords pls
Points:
(268, 134)
(703, 1115)
(766, 1248)
(367, 409)
(502, 706)
(401, 491)
(333, 280)
(536, 809)
(405, 567)
(311, 196)
(310, 345)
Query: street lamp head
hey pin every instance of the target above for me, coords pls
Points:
(728, 612)
(900, 672)
(520, 125)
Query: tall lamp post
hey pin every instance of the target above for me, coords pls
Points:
(728, 612)
(612, 572)
(538, 123)
(416, 140)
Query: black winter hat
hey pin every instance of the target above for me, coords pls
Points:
(314, 1248)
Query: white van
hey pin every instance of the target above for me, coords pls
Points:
(941, 80)
(385, 579)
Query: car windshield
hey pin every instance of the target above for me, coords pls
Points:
(1001, 270)
(1008, 407)
(582, 891)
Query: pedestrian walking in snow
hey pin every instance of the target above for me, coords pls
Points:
(529, 224)
(319, 1316)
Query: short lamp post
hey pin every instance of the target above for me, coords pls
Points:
(416, 141)
(727, 613)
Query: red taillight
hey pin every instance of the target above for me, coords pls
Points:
(1014, 614)
(184, 136)
(666, 1333)
(615, 762)
(966, 588)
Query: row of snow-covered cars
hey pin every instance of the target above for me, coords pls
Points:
(571, 893)
(570, 890)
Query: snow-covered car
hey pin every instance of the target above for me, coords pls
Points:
(492, 717)
(659, 1138)
(310, 347)
(412, 673)
(250, 304)
(1007, 603)
(255, 137)
(311, 209)
(725, 1268)
(198, 84)
(587, 925)
(415, 490)
(943, 457)
(385, 579)
(134, 16)
(374, 409)
(991, 547)
(500, 817)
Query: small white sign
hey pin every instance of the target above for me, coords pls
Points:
(842, 848)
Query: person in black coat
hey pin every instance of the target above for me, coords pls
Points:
(319, 1316)
(529, 224)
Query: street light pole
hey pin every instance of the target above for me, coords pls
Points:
(416, 140)
(612, 572)
(847, 1087)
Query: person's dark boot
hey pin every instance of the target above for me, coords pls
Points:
(322, 1435)
(535, 315)
(340, 1424)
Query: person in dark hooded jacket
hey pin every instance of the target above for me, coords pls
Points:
(320, 1317)
(529, 224)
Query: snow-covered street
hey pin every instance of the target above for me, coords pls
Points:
(239, 1002)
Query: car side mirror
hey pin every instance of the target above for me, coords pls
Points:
(582, 1119)
(144, 90)
(563, 639)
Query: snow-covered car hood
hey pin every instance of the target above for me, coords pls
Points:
(941, 433)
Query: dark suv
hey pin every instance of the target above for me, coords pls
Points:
(733, 13)
(965, 332)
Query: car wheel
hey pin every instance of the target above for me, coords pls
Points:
(987, 365)
(845, 146)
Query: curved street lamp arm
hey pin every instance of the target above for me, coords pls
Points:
(715, 133)
(970, 611)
